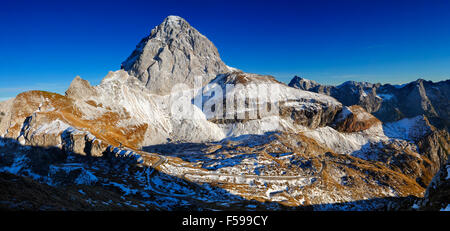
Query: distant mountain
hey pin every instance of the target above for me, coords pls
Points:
(390, 102)
(173, 53)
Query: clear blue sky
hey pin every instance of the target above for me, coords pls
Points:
(45, 44)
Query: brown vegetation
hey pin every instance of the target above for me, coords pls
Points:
(352, 123)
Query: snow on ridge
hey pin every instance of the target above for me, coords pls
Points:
(55, 127)
(346, 143)
(174, 20)
(407, 128)
(398, 86)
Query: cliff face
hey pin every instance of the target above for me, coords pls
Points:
(174, 53)
(436, 196)
(435, 147)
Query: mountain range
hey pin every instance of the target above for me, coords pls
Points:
(390, 102)
(177, 129)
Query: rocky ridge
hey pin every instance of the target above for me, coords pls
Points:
(390, 102)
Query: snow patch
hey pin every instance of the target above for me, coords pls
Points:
(386, 96)
(407, 129)
(55, 127)
(346, 143)
(20, 162)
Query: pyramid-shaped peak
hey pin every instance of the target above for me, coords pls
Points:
(174, 52)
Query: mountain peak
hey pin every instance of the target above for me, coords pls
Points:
(302, 83)
(174, 53)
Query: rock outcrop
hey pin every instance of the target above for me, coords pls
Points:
(262, 92)
(354, 119)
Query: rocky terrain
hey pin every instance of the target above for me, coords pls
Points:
(177, 129)
(390, 102)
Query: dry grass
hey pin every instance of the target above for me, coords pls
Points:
(104, 127)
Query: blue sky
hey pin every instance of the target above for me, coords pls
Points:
(45, 44)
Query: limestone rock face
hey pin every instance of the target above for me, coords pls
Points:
(435, 147)
(173, 53)
(293, 106)
(311, 117)
(80, 89)
(82, 143)
(43, 131)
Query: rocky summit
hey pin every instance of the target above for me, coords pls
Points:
(177, 129)
(174, 53)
